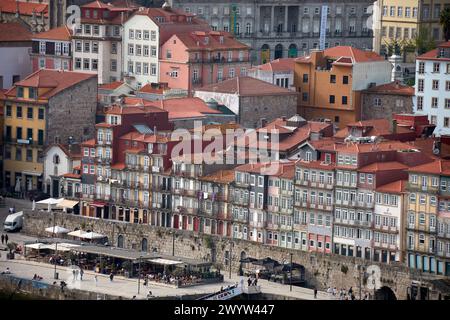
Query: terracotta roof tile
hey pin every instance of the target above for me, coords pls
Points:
(384, 166)
(274, 168)
(433, 54)
(357, 55)
(88, 143)
(321, 165)
(435, 167)
(195, 40)
(392, 88)
(180, 108)
(62, 33)
(398, 186)
(25, 8)
(221, 176)
(278, 65)
(374, 127)
(14, 32)
(246, 86)
(111, 86)
(55, 80)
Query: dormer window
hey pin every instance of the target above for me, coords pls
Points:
(441, 53)
(19, 92)
(32, 93)
(87, 13)
(105, 14)
(150, 148)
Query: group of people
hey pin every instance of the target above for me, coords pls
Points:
(5, 239)
(36, 277)
(252, 281)
(77, 273)
(344, 294)
(170, 279)
(57, 259)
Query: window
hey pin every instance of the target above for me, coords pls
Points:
(333, 78)
(18, 154)
(377, 102)
(435, 85)
(19, 112)
(419, 103)
(94, 47)
(130, 49)
(113, 65)
(153, 69)
(94, 64)
(392, 11)
(87, 29)
(446, 122)
(138, 35)
(345, 79)
(86, 64)
(434, 102)
(153, 51)
(131, 34)
(29, 113)
(77, 63)
(40, 137)
(152, 35)
(344, 100)
(138, 50)
(332, 99)
(420, 85)
(113, 47)
(305, 78)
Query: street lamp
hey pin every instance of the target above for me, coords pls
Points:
(230, 257)
(290, 276)
(139, 275)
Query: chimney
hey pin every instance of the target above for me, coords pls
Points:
(394, 126)
(283, 118)
(263, 122)
(17, 9)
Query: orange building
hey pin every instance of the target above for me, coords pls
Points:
(330, 82)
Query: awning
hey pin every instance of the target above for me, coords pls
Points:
(92, 235)
(61, 247)
(98, 204)
(165, 261)
(57, 230)
(32, 173)
(50, 201)
(36, 246)
(77, 233)
(67, 204)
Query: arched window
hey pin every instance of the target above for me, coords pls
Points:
(144, 245)
(56, 159)
(238, 28)
(265, 53)
(278, 51)
(248, 28)
(120, 241)
(293, 52)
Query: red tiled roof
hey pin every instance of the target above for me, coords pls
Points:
(180, 108)
(72, 175)
(88, 143)
(147, 138)
(433, 54)
(14, 32)
(357, 55)
(321, 165)
(374, 127)
(133, 105)
(398, 186)
(247, 86)
(96, 5)
(61, 33)
(148, 88)
(55, 80)
(392, 88)
(221, 176)
(383, 166)
(274, 168)
(435, 167)
(25, 8)
(346, 55)
(111, 86)
(195, 41)
(118, 166)
(278, 65)
(375, 147)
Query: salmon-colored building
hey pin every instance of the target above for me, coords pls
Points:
(330, 82)
(195, 59)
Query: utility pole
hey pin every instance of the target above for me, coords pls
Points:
(290, 276)
(56, 245)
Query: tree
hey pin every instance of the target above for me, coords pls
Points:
(444, 20)
(423, 41)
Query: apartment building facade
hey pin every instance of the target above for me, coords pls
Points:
(52, 49)
(432, 88)
(329, 82)
(36, 111)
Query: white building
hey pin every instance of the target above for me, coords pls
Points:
(433, 87)
(144, 31)
(388, 220)
(278, 72)
(97, 42)
(15, 45)
(58, 161)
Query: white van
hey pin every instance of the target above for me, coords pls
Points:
(13, 222)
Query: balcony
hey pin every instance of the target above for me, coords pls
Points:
(365, 204)
(185, 210)
(197, 81)
(162, 188)
(256, 224)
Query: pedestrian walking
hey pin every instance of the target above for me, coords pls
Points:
(96, 280)
(256, 281)
(81, 274)
(3, 238)
(6, 239)
(77, 272)
(350, 291)
(111, 277)
(249, 281)
(315, 293)
(74, 274)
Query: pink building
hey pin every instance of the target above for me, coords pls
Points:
(51, 49)
(195, 59)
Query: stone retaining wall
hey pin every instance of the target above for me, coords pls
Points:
(321, 270)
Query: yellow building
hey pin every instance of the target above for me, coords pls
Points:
(403, 20)
(48, 106)
(422, 212)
